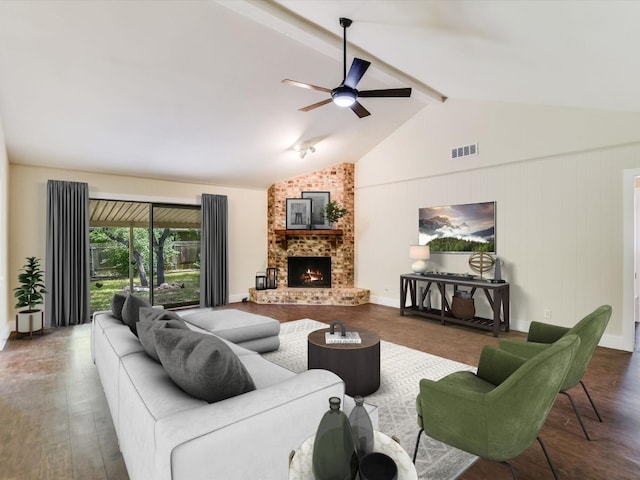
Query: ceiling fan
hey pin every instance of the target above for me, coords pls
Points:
(345, 94)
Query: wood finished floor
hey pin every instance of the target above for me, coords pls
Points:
(55, 423)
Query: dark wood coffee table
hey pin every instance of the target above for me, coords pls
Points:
(357, 364)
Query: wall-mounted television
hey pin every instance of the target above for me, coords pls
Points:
(463, 228)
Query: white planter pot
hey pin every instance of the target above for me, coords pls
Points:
(29, 321)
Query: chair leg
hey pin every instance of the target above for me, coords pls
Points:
(514, 474)
(546, 455)
(415, 452)
(577, 415)
(591, 401)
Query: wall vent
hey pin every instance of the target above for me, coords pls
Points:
(464, 151)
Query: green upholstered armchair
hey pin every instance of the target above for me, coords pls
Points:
(590, 330)
(498, 412)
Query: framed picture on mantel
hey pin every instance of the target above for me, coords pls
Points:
(319, 200)
(298, 213)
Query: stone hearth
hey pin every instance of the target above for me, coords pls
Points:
(311, 296)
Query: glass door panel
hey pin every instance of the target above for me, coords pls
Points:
(119, 250)
(176, 255)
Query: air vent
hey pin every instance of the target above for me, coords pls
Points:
(464, 151)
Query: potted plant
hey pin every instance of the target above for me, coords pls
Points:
(334, 212)
(30, 294)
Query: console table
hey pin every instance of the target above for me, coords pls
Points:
(417, 288)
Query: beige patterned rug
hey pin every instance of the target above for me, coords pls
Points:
(401, 369)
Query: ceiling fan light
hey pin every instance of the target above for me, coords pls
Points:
(344, 96)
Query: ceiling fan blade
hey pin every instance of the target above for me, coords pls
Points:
(315, 105)
(358, 67)
(389, 92)
(294, 83)
(360, 110)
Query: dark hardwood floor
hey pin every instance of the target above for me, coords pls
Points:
(55, 423)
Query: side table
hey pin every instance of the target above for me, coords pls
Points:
(301, 468)
(357, 364)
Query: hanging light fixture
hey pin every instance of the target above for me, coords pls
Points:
(344, 96)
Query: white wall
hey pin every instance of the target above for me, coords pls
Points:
(247, 215)
(556, 177)
(636, 250)
(5, 318)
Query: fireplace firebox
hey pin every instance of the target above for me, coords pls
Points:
(309, 272)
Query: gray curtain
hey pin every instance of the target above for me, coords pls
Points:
(67, 263)
(214, 270)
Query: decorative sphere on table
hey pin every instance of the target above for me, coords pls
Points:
(481, 262)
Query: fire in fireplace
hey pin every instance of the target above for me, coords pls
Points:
(309, 272)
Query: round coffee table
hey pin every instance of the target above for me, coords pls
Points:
(357, 364)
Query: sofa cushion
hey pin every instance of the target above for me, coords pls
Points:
(235, 348)
(202, 365)
(145, 332)
(263, 372)
(131, 311)
(153, 313)
(234, 325)
(117, 303)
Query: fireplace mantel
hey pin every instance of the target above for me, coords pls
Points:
(331, 234)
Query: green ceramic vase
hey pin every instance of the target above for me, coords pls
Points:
(334, 452)
(362, 428)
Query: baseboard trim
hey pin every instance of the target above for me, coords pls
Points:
(385, 301)
(237, 297)
(616, 342)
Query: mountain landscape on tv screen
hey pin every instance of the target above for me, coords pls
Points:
(458, 228)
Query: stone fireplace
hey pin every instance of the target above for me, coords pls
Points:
(337, 246)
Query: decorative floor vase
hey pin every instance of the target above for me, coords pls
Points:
(334, 453)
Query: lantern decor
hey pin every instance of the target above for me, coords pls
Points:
(272, 278)
(261, 281)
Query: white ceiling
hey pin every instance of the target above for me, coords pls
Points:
(191, 90)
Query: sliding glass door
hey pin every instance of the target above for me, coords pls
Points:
(151, 250)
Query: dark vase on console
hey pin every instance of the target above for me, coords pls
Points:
(334, 453)
(362, 428)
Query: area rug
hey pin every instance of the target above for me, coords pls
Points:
(401, 369)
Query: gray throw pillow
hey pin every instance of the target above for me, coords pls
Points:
(202, 365)
(117, 303)
(131, 311)
(145, 332)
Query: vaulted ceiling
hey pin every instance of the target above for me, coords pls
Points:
(191, 90)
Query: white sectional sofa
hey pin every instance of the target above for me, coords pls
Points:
(166, 434)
